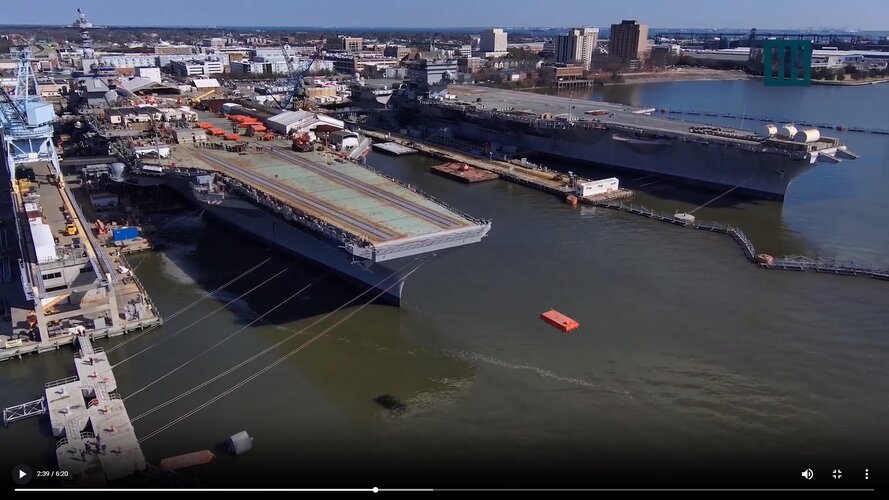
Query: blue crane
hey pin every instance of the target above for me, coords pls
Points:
(295, 84)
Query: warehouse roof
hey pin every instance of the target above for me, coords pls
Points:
(304, 119)
(205, 83)
(139, 84)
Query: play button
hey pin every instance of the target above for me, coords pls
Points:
(22, 474)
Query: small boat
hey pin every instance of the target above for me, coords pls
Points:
(559, 320)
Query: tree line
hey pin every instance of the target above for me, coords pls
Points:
(850, 72)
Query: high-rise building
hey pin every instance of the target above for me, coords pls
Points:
(628, 41)
(577, 46)
(352, 44)
(493, 40)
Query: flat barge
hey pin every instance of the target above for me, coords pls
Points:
(462, 172)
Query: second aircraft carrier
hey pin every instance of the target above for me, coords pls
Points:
(760, 164)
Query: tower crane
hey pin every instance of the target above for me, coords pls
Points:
(295, 85)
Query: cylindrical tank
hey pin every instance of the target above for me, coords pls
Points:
(807, 135)
(768, 130)
(117, 170)
(787, 131)
(240, 443)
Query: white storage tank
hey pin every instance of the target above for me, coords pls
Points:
(787, 131)
(768, 130)
(240, 443)
(807, 135)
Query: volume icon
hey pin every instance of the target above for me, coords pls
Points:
(808, 474)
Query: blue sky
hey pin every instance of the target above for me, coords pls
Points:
(845, 14)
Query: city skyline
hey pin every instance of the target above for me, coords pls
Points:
(864, 15)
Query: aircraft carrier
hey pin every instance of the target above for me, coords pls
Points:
(348, 218)
(760, 164)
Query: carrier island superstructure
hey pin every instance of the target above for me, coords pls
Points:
(759, 164)
(361, 224)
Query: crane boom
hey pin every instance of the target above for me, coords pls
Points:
(295, 82)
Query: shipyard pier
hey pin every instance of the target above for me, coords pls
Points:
(760, 164)
(60, 279)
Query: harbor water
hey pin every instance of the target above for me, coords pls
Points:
(689, 361)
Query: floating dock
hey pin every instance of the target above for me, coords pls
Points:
(462, 172)
(394, 148)
(97, 440)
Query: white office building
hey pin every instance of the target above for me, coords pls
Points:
(493, 40)
(577, 46)
(492, 43)
(128, 60)
(196, 68)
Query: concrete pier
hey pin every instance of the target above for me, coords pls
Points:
(546, 180)
(393, 148)
(65, 299)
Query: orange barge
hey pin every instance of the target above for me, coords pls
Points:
(560, 321)
(462, 172)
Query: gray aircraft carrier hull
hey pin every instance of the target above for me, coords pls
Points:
(710, 164)
(285, 236)
(618, 137)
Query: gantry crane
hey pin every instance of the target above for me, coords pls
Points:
(295, 85)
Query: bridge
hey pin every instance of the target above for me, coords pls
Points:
(24, 410)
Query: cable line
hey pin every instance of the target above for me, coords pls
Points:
(273, 364)
(205, 351)
(274, 346)
(189, 306)
(186, 327)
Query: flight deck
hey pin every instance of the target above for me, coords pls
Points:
(375, 216)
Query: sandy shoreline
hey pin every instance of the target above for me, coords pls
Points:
(680, 76)
(852, 83)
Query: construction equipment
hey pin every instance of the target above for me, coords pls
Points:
(196, 100)
(295, 81)
(302, 143)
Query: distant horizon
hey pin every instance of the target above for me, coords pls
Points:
(443, 28)
(827, 15)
